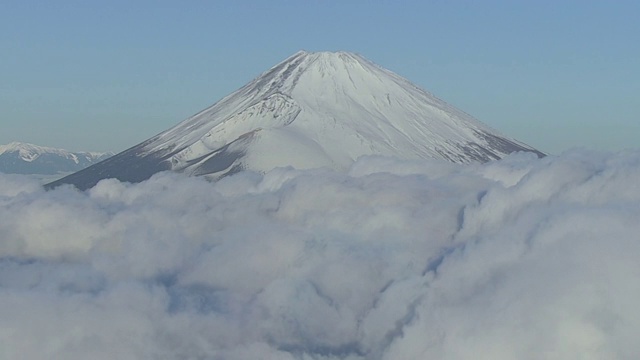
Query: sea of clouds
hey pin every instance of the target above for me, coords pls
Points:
(523, 258)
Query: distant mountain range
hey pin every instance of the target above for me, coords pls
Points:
(29, 159)
(322, 109)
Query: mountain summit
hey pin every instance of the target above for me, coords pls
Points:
(313, 109)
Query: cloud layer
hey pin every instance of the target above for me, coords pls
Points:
(523, 258)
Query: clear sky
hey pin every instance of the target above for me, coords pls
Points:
(105, 75)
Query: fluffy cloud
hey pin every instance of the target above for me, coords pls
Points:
(523, 258)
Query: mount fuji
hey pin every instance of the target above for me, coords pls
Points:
(314, 109)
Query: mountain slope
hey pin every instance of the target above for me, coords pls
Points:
(311, 110)
(24, 158)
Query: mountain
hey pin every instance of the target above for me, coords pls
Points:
(23, 158)
(311, 110)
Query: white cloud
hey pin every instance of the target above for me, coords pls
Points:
(523, 258)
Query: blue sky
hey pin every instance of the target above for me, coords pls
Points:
(89, 75)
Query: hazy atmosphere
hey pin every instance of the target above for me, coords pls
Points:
(327, 208)
(103, 76)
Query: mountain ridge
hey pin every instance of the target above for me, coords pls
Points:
(30, 159)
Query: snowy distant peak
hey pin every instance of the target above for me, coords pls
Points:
(19, 146)
(25, 158)
(29, 152)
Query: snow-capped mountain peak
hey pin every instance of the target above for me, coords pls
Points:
(341, 100)
(30, 152)
(317, 109)
(25, 158)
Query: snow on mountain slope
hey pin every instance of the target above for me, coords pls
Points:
(24, 158)
(343, 106)
(312, 110)
(30, 152)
